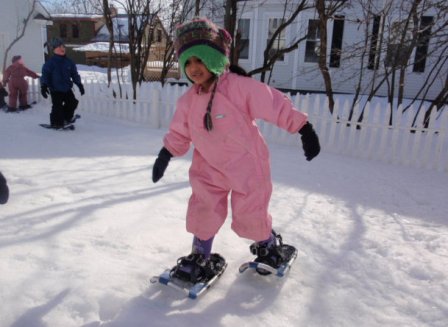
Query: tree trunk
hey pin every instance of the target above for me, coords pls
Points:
(230, 24)
(323, 18)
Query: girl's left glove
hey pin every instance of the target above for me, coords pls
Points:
(4, 190)
(310, 141)
(160, 164)
(81, 89)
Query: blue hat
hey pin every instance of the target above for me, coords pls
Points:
(56, 42)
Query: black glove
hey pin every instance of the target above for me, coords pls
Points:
(310, 141)
(160, 164)
(4, 190)
(44, 91)
(81, 89)
(3, 92)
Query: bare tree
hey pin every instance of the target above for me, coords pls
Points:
(326, 11)
(230, 22)
(176, 13)
(273, 51)
(197, 7)
(74, 6)
(142, 17)
(107, 14)
(400, 39)
(22, 24)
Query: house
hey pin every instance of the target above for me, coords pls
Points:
(76, 30)
(31, 45)
(355, 45)
(96, 52)
(97, 49)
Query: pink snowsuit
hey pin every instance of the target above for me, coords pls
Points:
(17, 85)
(233, 156)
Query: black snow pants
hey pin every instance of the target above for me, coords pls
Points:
(63, 109)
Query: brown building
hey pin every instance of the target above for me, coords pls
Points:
(87, 41)
(76, 30)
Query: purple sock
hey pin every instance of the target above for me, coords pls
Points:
(203, 247)
(268, 242)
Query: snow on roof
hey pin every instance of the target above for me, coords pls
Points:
(121, 32)
(90, 16)
(103, 47)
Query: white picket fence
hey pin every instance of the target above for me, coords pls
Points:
(373, 139)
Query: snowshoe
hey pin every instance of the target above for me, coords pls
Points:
(25, 107)
(70, 127)
(73, 120)
(193, 274)
(272, 258)
(11, 109)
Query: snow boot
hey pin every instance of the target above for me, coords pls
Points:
(272, 252)
(195, 268)
(25, 107)
(11, 109)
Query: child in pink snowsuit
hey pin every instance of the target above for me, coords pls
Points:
(217, 115)
(17, 85)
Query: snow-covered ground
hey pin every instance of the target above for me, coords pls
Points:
(85, 229)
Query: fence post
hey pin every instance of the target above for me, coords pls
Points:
(154, 112)
(441, 160)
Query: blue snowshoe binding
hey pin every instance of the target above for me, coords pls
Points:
(193, 274)
(272, 258)
(194, 268)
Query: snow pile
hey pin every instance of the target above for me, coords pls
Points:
(85, 229)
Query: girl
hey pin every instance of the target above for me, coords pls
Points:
(217, 115)
(17, 85)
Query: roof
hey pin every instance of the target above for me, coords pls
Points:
(103, 47)
(94, 17)
(121, 30)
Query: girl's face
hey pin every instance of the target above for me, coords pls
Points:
(198, 72)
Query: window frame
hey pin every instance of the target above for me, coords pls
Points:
(311, 42)
(63, 30)
(337, 42)
(283, 59)
(391, 60)
(75, 30)
(248, 38)
(422, 47)
(263, 38)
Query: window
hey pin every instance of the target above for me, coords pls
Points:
(75, 31)
(243, 37)
(336, 41)
(421, 51)
(63, 30)
(312, 41)
(373, 51)
(159, 35)
(279, 42)
(398, 48)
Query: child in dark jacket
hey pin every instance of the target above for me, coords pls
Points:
(59, 74)
(3, 94)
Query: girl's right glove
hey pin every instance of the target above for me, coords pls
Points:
(310, 141)
(160, 164)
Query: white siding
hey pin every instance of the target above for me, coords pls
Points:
(30, 47)
(295, 73)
